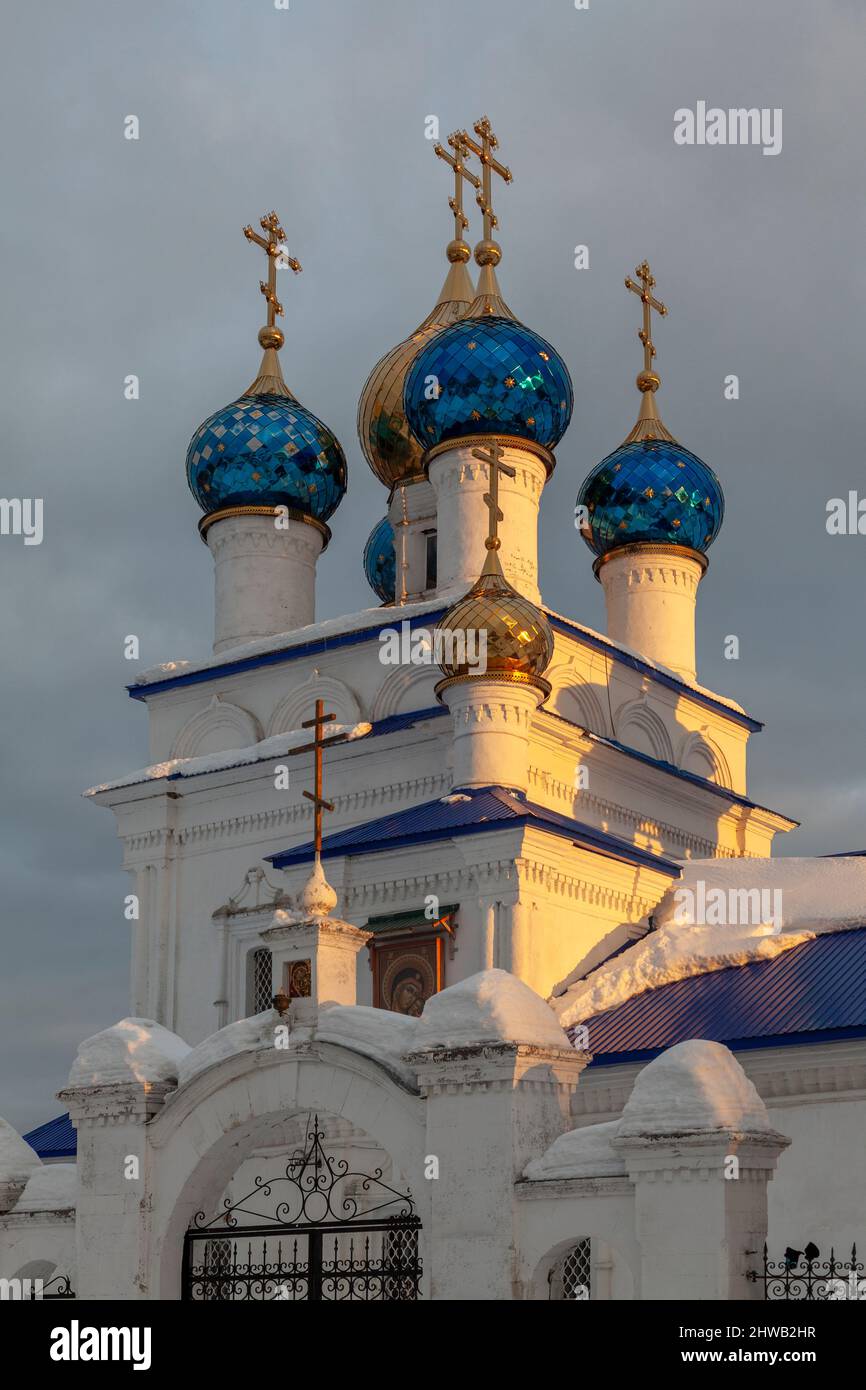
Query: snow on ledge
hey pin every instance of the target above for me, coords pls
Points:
(53, 1187)
(375, 1033)
(135, 1049)
(490, 1007)
(267, 748)
(694, 1087)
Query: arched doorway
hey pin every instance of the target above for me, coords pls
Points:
(317, 1228)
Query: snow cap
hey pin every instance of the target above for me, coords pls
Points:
(53, 1187)
(17, 1159)
(694, 1087)
(581, 1153)
(135, 1049)
(490, 1007)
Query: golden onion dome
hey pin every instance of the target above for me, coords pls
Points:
(388, 444)
(518, 644)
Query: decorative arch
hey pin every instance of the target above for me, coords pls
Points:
(407, 688)
(640, 727)
(216, 729)
(575, 699)
(702, 755)
(295, 707)
(586, 1262)
(219, 1118)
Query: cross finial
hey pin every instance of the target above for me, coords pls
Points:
(319, 742)
(487, 252)
(273, 245)
(457, 249)
(648, 379)
(493, 458)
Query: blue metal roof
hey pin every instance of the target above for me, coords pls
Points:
(478, 810)
(813, 992)
(54, 1139)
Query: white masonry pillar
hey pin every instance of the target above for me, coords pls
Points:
(651, 593)
(264, 572)
(462, 517)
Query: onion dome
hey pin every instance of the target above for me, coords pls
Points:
(265, 449)
(380, 561)
(388, 444)
(519, 642)
(651, 489)
(488, 374)
(495, 376)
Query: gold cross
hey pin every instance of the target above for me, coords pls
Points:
(493, 459)
(273, 249)
(320, 742)
(649, 302)
(489, 142)
(457, 141)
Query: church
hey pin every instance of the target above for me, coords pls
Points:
(461, 967)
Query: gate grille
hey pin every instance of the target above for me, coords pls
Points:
(328, 1235)
(801, 1275)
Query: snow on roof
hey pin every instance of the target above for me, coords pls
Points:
(246, 1035)
(490, 1007)
(796, 898)
(581, 1153)
(672, 953)
(373, 618)
(17, 1159)
(135, 1049)
(814, 895)
(695, 1087)
(53, 1187)
(266, 749)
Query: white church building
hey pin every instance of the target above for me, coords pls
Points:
(460, 966)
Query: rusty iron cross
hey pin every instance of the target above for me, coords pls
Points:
(649, 302)
(320, 742)
(493, 458)
(273, 247)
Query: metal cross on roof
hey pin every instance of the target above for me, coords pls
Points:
(320, 742)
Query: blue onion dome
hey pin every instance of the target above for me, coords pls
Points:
(380, 561)
(651, 490)
(266, 450)
(388, 444)
(495, 376)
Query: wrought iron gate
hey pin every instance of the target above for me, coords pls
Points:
(326, 1235)
(803, 1275)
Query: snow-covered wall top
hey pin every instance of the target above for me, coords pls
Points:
(135, 1049)
(493, 1006)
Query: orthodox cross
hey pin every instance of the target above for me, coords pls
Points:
(489, 142)
(493, 458)
(320, 742)
(273, 249)
(458, 143)
(649, 302)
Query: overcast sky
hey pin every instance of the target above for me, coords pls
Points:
(127, 257)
